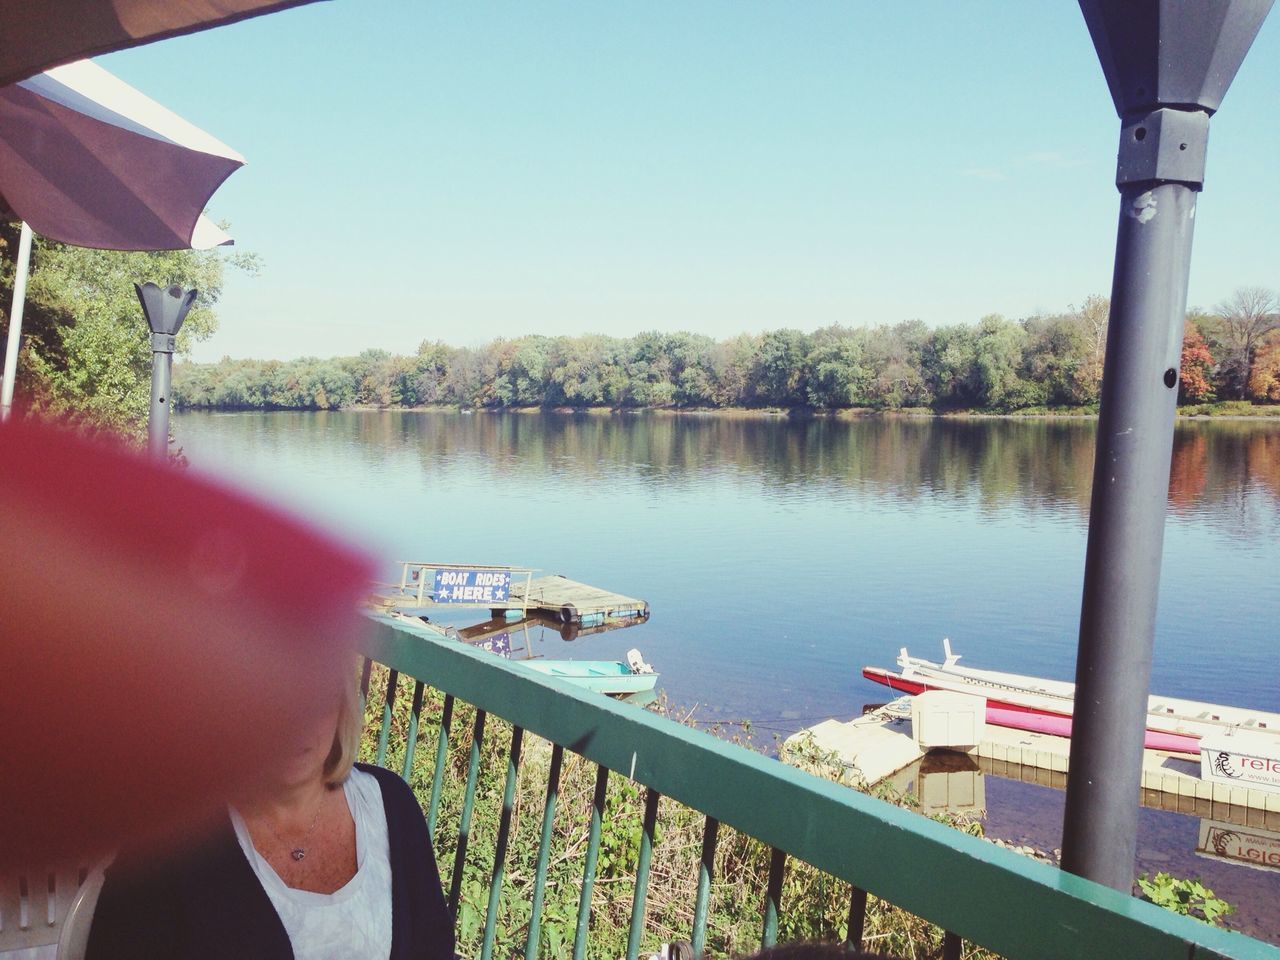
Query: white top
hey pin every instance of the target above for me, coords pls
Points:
(354, 921)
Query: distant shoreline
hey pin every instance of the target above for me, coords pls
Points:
(1265, 414)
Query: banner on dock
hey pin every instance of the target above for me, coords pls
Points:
(472, 586)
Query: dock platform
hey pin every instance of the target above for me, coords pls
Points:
(579, 603)
(428, 586)
(880, 743)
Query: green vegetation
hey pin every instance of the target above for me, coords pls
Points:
(1043, 364)
(86, 353)
(814, 906)
(1188, 897)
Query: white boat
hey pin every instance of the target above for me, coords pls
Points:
(1172, 723)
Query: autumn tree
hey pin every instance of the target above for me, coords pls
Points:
(1264, 379)
(1194, 385)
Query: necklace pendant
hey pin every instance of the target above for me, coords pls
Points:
(298, 853)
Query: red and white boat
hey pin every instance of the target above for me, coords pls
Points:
(1045, 706)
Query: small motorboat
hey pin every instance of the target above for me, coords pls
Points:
(613, 677)
(1046, 706)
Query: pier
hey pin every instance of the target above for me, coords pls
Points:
(506, 589)
(880, 743)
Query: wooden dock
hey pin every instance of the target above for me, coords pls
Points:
(578, 603)
(880, 743)
(568, 602)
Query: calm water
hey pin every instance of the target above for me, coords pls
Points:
(781, 557)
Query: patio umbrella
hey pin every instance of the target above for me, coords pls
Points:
(39, 34)
(88, 160)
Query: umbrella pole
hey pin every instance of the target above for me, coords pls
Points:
(23, 265)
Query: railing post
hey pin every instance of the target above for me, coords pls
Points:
(589, 866)
(706, 871)
(773, 898)
(384, 731)
(642, 874)
(442, 758)
(544, 853)
(857, 917)
(411, 744)
(468, 805)
(500, 849)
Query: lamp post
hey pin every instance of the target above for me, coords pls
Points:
(165, 308)
(1168, 64)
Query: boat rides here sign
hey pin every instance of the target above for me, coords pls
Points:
(461, 585)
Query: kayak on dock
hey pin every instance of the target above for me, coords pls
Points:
(1046, 706)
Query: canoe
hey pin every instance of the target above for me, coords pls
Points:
(1046, 706)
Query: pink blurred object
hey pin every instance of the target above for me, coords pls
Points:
(159, 638)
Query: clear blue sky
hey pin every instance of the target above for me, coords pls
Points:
(466, 170)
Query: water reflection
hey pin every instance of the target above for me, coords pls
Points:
(1225, 472)
(944, 781)
(1232, 843)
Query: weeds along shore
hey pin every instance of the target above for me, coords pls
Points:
(815, 906)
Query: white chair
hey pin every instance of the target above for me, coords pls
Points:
(73, 941)
(33, 905)
(45, 913)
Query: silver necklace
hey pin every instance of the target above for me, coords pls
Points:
(300, 851)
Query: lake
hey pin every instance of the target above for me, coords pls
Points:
(781, 556)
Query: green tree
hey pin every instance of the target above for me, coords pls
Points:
(88, 357)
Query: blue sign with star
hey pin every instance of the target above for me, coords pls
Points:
(472, 586)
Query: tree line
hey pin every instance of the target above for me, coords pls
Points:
(996, 364)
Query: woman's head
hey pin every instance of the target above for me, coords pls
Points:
(325, 747)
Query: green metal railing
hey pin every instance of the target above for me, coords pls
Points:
(972, 889)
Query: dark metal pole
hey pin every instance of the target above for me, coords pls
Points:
(1126, 531)
(162, 346)
(1167, 65)
(165, 310)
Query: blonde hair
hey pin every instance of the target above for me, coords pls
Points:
(346, 736)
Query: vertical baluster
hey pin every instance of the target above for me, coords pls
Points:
(589, 869)
(442, 757)
(415, 714)
(773, 899)
(642, 874)
(857, 917)
(950, 946)
(500, 850)
(544, 853)
(392, 679)
(364, 679)
(468, 804)
(706, 870)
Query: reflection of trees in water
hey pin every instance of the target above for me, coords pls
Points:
(1226, 473)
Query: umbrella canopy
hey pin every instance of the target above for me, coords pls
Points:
(88, 160)
(44, 33)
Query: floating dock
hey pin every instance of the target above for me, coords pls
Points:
(425, 586)
(880, 743)
(572, 602)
